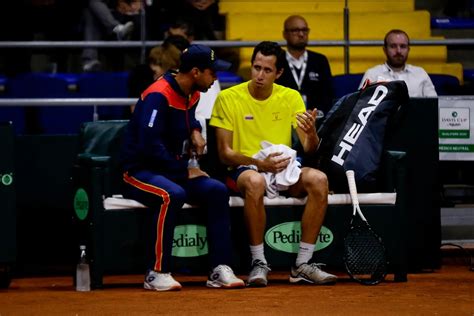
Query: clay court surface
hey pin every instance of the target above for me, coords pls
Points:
(447, 291)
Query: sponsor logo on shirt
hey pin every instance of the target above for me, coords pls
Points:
(313, 76)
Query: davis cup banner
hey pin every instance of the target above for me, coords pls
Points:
(456, 128)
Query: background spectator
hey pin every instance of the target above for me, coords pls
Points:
(306, 71)
(177, 40)
(160, 60)
(102, 22)
(202, 15)
(396, 48)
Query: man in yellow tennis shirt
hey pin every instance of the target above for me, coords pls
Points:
(260, 110)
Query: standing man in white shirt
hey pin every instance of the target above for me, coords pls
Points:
(396, 48)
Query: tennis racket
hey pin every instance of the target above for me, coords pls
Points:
(364, 251)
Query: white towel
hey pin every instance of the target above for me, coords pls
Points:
(285, 178)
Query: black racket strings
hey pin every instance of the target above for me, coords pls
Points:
(365, 256)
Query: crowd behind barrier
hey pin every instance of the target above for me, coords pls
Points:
(139, 23)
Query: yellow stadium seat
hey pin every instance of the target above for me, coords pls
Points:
(310, 6)
(263, 20)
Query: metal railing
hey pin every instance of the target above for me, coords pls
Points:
(215, 44)
(66, 101)
(143, 45)
(94, 102)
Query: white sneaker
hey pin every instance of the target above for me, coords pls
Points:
(123, 31)
(311, 273)
(160, 282)
(223, 277)
(258, 274)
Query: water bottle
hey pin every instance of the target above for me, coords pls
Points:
(83, 276)
(193, 162)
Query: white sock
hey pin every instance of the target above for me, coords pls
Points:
(305, 253)
(257, 253)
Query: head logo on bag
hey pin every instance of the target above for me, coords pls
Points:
(353, 133)
(350, 137)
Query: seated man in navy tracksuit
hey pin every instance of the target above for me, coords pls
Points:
(160, 138)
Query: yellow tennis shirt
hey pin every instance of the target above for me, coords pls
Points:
(252, 121)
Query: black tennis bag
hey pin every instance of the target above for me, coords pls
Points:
(353, 133)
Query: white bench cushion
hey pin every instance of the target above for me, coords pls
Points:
(117, 202)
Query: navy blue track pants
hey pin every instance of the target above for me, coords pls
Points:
(165, 198)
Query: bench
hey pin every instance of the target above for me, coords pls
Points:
(115, 229)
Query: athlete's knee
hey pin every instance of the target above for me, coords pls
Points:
(252, 184)
(315, 181)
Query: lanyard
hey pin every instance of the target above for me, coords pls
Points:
(298, 79)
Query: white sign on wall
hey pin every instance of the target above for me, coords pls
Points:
(456, 128)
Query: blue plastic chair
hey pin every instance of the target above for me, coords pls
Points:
(445, 84)
(51, 119)
(468, 75)
(105, 85)
(452, 23)
(345, 84)
(14, 114)
(228, 78)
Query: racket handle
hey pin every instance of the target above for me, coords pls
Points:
(352, 186)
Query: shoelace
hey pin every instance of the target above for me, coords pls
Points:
(223, 267)
(315, 266)
(312, 267)
(262, 265)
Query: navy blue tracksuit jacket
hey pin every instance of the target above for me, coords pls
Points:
(155, 171)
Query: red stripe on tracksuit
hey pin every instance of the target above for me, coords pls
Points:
(161, 218)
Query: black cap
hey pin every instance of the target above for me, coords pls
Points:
(202, 57)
